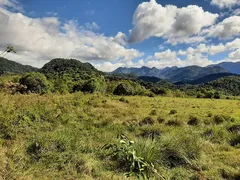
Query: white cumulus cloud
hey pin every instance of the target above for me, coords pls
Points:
(152, 19)
(168, 54)
(235, 54)
(228, 28)
(38, 40)
(225, 3)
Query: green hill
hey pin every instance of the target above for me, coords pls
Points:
(59, 65)
(7, 66)
(227, 85)
(205, 79)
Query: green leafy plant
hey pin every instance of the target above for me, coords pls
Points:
(126, 155)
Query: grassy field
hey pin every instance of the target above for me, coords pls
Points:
(61, 136)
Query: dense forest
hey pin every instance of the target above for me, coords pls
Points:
(69, 76)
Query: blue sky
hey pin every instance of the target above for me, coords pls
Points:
(113, 33)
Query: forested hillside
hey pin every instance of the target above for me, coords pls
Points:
(14, 67)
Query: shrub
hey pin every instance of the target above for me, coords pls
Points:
(229, 174)
(153, 112)
(172, 112)
(122, 99)
(193, 120)
(150, 133)
(160, 120)
(235, 140)
(218, 119)
(90, 86)
(147, 121)
(123, 89)
(210, 114)
(175, 122)
(34, 150)
(216, 95)
(159, 91)
(234, 128)
(78, 87)
(35, 82)
(208, 133)
(217, 134)
(61, 86)
(179, 149)
(127, 154)
(150, 94)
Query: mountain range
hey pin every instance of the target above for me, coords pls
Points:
(183, 74)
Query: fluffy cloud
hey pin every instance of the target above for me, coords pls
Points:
(211, 49)
(225, 3)
(152, 19)
(191, 59)
(42, 39)
(235, 54)
(121, 38)
(201, 48)
(228, 28)
(111, 66)
(233, 44)
(169, 58)
(186, 40)
(108, 66)
(168, 54)
(217, 49)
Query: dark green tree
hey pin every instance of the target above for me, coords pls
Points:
(123, 89)
(35, 83)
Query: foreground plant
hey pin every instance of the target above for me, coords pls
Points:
(127, 157)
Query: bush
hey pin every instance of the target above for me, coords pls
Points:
(159, 91)
(61, 86)
(160, 120)
(218, 119)
(235, 141)
(128, 88)
(150, 133)
(123, 89)
(153, 112)
(179, 149)
(172, 112)
(193, 121)
(150, 94)
(175, 122)
(216, 95)
(147, 121)
(35, 83)
(234, 128)
(122, 99)
(135, 159)
(93, 85)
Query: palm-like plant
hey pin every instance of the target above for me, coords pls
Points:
(9, 49)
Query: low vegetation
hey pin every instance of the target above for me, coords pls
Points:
(75, 136)
(71, 121)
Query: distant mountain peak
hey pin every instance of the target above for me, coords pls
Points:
(173, 73)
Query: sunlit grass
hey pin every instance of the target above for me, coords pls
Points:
(60, 136)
